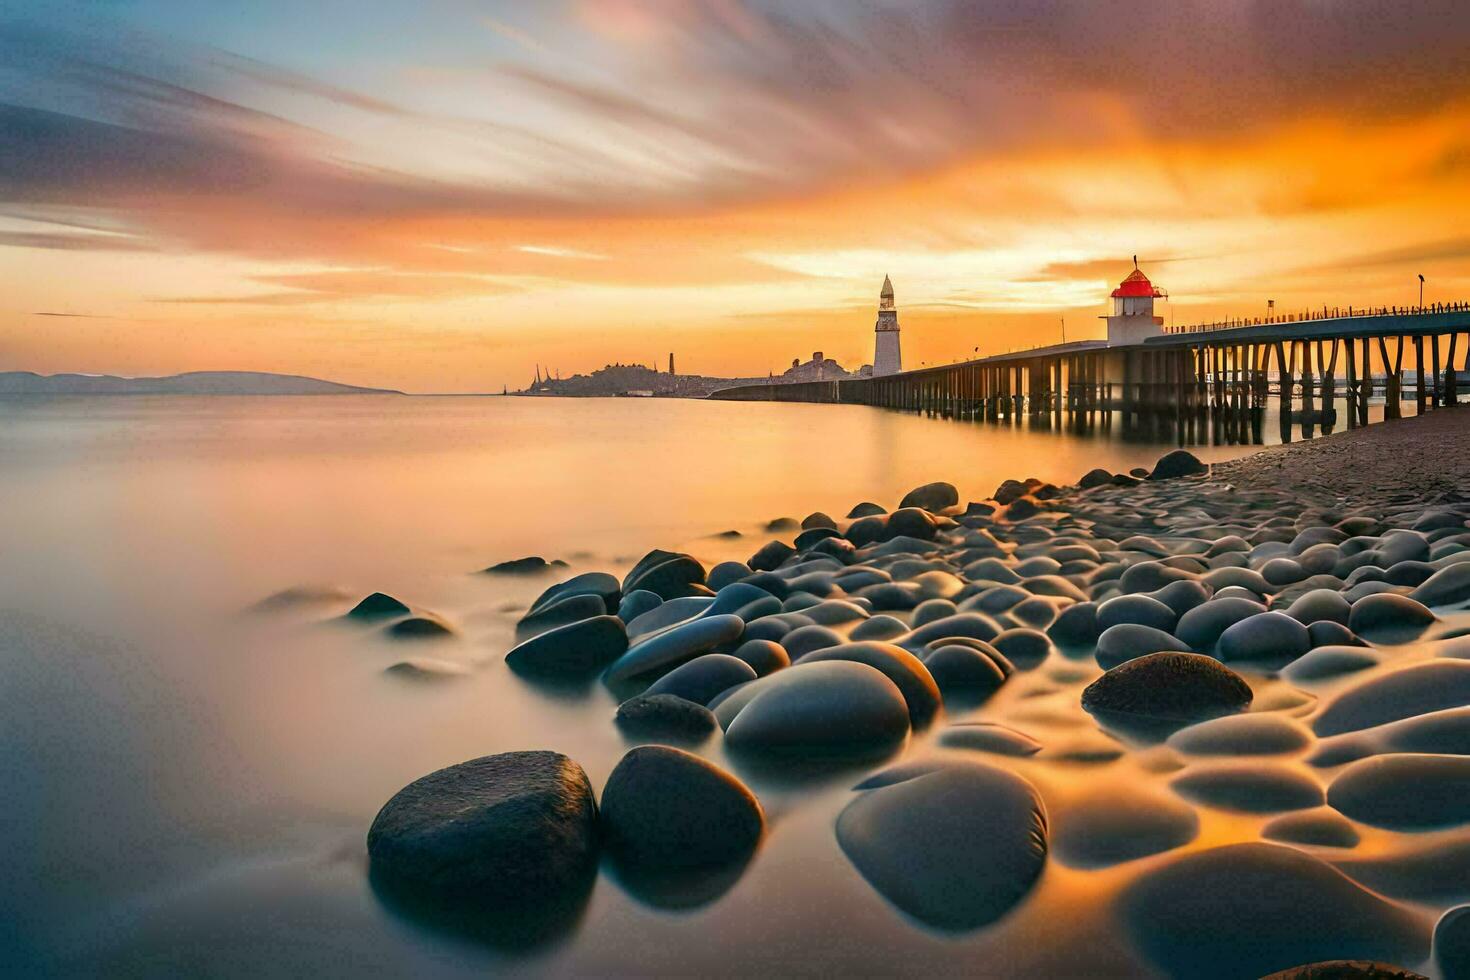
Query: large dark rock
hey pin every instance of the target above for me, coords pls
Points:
(419, 628)
(771, 556)
(377, 606)
(933, 497)
(1181, 462)
(635, 604)
(1175, 687)
(1252, 787)
(956, 846)
(572, 609)
(1201, 626)
(763, 656)
(1452, 943)
(816, 710)
(1414, 690)
(905, 670)
(702, 678)
(1247, 909)
(659, 652)
(1075, 626)
(666, 574)
(1270, 639)
(1447, 587)
(668, 809)
(1346, 970)
(533, 565)
(588, 583)
(1389, 617)
(665, 716)
(963, 673)
(866, 509)
(1144, 610)
(1129, 641)
(909, 522)
(575, 650)
(1405, 791)
(1094, 478)
(519, 824)
(975, 625)
(1107, 826)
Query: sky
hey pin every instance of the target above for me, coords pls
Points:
(441, 196)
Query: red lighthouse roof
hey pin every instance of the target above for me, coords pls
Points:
(1136, 284)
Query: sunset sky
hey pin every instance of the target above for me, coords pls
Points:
(439, 196)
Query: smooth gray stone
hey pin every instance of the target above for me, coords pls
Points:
(770, 582)
(1414, 690)
(1055, 586)
(819, 584)
(635, 604)
(880, 627)
(1107, 827)
(1373, 587)
(763, 656)
(702, 678)
(964, 673)
(800, 601)
(1265, 733)
(1282, 571)
(1024, 647)
(1411, 573)
(1324, 662)
(1139, 609)
(1181, 597)
(808, 639)
(1172, 687)
(816, 710)
(1150, 576)
(1397, 546)
(1452, 943)
(1404, 791)
(1037, 612)
(758, 608)
(668, 574)
(932, 609)
(997, 598)
(665, 716)
(672, 647)
(666, 615)
(887, 596)
(1317, 828)
(588, 583)
(1247, 910)
(1313, 536)
(1320, 605)
(1391, 615)
(1320, 559)
(866, 509)
(531, 565)
(984, 736)
(1038, 565)
(419, 628)
(739, 596)
(1244, 578)
(1449, 586)
(1432, 871)
(775, 627)
(1249, 788)
(519, 825)
(664, 808)
(910, 522)
(991, 570)
(906, 671)
(574, 650)
(1075, 626)
(560, 613)
(834, 612)
(771, 556)
(1129, 641)
(955, 848)
(1227, 545)
(933, 497)
(727, 572)
(426, 669)
(1439, 733)
(817, 519)
(377, 606)
(809, 538)
(976, 625)
(1270, 639)
(1202, 626)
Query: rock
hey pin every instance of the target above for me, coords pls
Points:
(910, 522)
(1404, 791)
(1129, 641)
(1326, 662)
(1270, 639)
(1388, 616)
(659, 652)
(809, 639)
(1021, 508)
(880, 628)
(1316, 828)
(1175, 687)
(667, 614)
(906, 671)
(665, 716)
(933, 497)
(1248, 734)
(727, 573)
(1201, 627)
(1283, 571)
(572, 609)
(763, 656)
(866, 509)
(985, 736)
(1009, 491)
(1181, 597)
(1431, 869)
(1244, 910)
(664, 808)
(772, 555)
(426, 669)
(632, 605)
(702, 678)
(1346, 970)
(956, 847)
(667, 574)
(1449, 586)
(1150, 576)
(377, 606)
(1137, 609)
(1094, 478)
(1414, 690)
(807, 539)
(1324, 633)
(817, 519)
(829, 708)
(1249, 787)
(577, 649)
(534, 565)
(964, 673)
(932, 609)
(976, 625)
(1452, 943)
(515, 825)
(1055, 586)
(1026, 648)
(1107, 827)
(1176, 464)
(1438, 733)
(419, 628)
(1075, 626)
(782, 524)
(588, 583)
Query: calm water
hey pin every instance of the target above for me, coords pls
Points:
(188, 786)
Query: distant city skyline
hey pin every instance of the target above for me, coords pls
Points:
(440, 197)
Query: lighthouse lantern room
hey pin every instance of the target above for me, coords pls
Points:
(1133, 318)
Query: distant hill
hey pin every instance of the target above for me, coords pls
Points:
(192, 383)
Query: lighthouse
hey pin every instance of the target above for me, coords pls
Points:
(886, 356)
(1133, 317)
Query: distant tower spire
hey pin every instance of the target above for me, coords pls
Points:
(887, 358)
(538, 375)
(671, 362)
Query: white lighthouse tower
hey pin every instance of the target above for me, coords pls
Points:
(1133, 317)
(886, 356)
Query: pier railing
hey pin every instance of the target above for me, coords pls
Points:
(1326, 313)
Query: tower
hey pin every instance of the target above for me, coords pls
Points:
(886, 356)
(671, 363)
(1133, 310)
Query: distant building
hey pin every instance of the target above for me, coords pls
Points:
(1133, 320)
(886, 356)
(819, 368)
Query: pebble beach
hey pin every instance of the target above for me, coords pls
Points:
(1236, 699)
